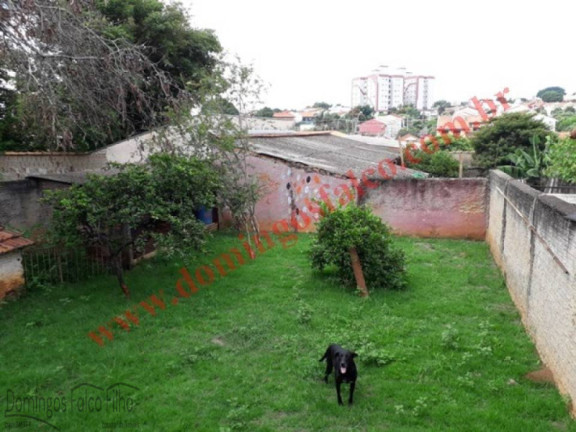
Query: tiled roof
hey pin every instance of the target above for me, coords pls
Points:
(283, 114)
(10, 241)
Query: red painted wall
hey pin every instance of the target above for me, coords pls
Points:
(288, 190)
(451, 208)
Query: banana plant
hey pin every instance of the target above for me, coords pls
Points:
(526, 165)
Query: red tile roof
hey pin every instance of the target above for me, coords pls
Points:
(10, 241)
(284, 114)
(371, 127)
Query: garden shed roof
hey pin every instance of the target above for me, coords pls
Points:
(11, 241)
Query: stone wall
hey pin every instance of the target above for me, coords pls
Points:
(532, 237)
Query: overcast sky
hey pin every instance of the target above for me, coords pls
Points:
(309, 50)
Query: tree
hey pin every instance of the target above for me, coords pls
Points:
(554, 89)
(265, 112)
(361, 112)
(187, 55)
(410, 112)
(82, 83)
(225, 140)
(220, 104)
(11, 133)
(503, 135)
(562, 160)
(552, 94)
(322, 105)
(441, 106)
(116, 212)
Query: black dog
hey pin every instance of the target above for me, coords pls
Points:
(344, 368)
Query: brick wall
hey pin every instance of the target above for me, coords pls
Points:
(287, 188)
(451, 208)
(533, 240)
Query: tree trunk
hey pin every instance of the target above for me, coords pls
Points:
(120, 274)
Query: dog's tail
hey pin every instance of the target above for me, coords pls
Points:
(325, 356)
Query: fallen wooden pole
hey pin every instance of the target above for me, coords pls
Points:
(358, 274)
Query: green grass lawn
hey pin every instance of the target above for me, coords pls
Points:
(449, 353)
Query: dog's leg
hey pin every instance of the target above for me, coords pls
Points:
(351, 397)
(329, 368)
(338, 382)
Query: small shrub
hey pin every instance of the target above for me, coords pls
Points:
(304, 313)
(339, 230)
(373, 356)
(437, 163)
(451, 338)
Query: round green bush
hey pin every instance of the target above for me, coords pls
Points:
(382, 263)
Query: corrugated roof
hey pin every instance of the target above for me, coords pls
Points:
(11, 241)
(328, 152)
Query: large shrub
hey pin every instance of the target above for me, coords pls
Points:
(339, 230)
(505, 134)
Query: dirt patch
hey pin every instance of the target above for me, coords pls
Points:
(542, 376)
(218, 341)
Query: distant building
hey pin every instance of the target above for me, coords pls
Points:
(393, 124)
(372, 128)
(288, 116)
(387, 88)
(550, 122)
(408, 139)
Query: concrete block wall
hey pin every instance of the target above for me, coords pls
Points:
(19, 165)
(16, 166)
(533, 240)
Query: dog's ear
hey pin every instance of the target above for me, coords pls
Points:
(354, 354)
